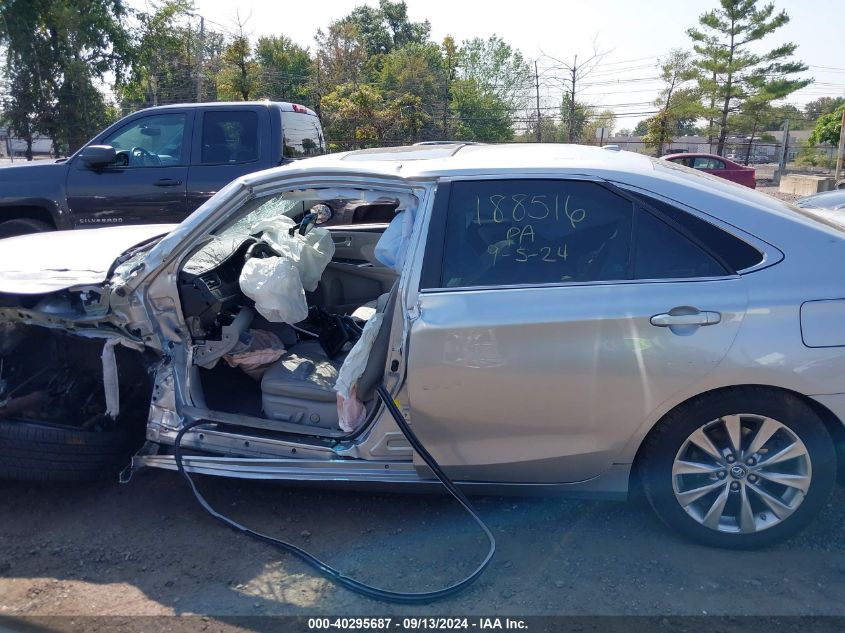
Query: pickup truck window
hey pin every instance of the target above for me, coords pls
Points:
(151, 141)
(302, 135)
(229, 137)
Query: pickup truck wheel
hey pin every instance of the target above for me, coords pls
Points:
(741, 469)
(36, 451)
(22, 226)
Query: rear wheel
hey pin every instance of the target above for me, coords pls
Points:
(22, 226)
(33, 451)
(741, 469)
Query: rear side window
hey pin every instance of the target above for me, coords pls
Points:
(736, 253)
(663, 253)
(229, 137)
(302, 135)
(705, 162)
(506, 232)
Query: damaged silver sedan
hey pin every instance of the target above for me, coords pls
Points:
(554, 319)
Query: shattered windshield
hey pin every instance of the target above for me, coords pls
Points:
(261, 209)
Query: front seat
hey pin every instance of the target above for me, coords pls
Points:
(299, 388)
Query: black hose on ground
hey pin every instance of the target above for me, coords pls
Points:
(329, 572)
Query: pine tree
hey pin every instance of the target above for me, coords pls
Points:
(731, 72)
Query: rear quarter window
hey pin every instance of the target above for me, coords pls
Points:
(302, 135)
(736, 253)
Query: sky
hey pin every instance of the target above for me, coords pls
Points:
(632, 33)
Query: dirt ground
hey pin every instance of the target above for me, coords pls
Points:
(146, 548)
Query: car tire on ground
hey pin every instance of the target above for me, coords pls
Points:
(740, 469)
(22, 226)
(33, 451)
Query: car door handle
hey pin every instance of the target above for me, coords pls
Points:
(167, 182)
(697, 318)
(342, 241)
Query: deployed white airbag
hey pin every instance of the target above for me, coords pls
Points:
(392, 247)
(278, 284)
(310, 253)
(274, 284)
(351, 412)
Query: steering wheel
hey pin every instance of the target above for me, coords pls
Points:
(261, 250)
(140, 155)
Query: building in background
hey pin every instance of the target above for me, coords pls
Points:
(762, 150)
(12, 146)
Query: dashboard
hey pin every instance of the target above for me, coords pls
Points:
(209, 282)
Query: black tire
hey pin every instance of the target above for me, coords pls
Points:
(31, 451)
(22, 226)
(668, 437)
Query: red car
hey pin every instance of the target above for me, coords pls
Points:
(717, 166)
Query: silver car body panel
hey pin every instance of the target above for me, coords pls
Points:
(552, 386)
(568, 372)
(390, 476)
(46, 262)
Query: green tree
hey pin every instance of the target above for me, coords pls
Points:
(386, 27)
(828, 128)
(359, 116)
(754, 117)
(478, 116)
(164, 62)
(239, 76)
(498, 70)
(20, 106)
(641, 128)
(27, 88)
(821, 106)
(726, 41)
(284, 69)
(573, 127)
(676, 101)
(341, 57)
(411, 77)
(797, 119)
(73, 45)
(604, 119)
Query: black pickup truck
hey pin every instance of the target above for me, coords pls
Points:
(155, 165)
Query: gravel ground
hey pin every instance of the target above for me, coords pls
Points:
(766, 186)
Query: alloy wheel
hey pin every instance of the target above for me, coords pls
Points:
(741, 473)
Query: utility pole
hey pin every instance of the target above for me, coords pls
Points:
(840, 151)
(572, 102)
(782, 162)
(446, 97)
(537, 90)
(318, 93)
(199, 59)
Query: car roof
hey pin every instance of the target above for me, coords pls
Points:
(825, 199)
(694, 154)
(705, 155)
(286, 106)
(444, 159)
